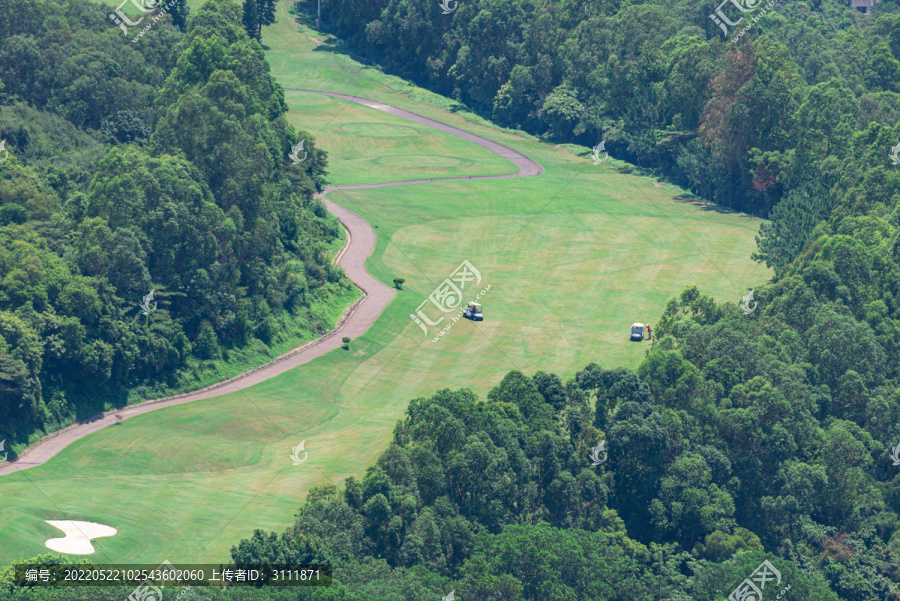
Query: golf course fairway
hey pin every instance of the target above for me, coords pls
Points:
(572, 257)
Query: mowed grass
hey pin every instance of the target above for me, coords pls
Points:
(573, 257)
(366, 146)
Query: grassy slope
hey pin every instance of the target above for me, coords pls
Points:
(573, 257)
(366, 146)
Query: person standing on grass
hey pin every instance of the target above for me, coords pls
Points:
(649, 333)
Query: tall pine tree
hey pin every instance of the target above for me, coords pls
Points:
(266, 9)
(179, 14)
(251, 19)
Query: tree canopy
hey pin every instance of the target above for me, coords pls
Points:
(153, 168)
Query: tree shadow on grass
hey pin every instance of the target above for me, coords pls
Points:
(683, 198)
(705, 205)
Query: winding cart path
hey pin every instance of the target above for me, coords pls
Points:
(354, 323)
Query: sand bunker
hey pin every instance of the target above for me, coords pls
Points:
(78, 536)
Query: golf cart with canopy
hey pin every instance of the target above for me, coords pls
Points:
(473, 312)
(637, 331)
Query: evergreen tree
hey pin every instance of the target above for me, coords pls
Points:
(266, 11)
(179, 14)
(251, 19)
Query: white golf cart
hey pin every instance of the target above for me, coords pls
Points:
(637, 332)
(473, 312)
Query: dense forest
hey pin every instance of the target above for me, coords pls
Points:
(743, 436)
(136, 168)
(738, 438)
(783, 113)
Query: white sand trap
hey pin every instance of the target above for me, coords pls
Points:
(78, 536)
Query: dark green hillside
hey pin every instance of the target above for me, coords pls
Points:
(136, 167)
(744, 434)
(765, 432)
(747, 122)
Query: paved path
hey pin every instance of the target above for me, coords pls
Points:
(354, 323)
(526, 166)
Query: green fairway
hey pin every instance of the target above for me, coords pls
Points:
(573, 257)
(367, 146)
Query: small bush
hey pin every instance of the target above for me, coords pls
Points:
(13, 213)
